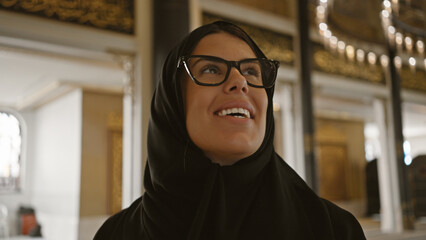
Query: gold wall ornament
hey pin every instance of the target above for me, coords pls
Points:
(115, 165)
(413, 80)
(277, 7)
(275, 45)
(115, 121)
(115, 171)
(327, 62)
(105, 14)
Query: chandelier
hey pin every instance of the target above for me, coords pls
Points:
(408, 39)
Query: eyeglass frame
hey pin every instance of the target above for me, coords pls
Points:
(183, 61)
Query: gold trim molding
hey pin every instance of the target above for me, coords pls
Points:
(328, 62)
(276, 46)
(104, 14)
(413, 80)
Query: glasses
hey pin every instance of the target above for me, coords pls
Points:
(213, 71)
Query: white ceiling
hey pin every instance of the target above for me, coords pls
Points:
(26, 73)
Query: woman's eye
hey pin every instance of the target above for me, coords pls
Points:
(210, 69)
(251, 72)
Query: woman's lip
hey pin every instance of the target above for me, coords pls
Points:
(236, 104)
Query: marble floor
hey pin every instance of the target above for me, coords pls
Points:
(372, 231)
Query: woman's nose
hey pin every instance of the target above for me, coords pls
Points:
(236, 82)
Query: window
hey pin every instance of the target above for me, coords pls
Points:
(10, 152)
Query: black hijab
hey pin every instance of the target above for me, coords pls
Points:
(189, 197)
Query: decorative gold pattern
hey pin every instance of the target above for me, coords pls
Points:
(274, 45)
(278, 7)
(327, 62)
(115, 121)
(413, 80)
(105, 14)
(115, 126)
(116, 171)
(280, 47)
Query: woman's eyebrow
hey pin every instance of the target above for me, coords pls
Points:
(201, 59)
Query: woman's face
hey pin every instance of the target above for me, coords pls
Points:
(225, 139)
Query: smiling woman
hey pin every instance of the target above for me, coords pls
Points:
(226, 137)
(212, 170)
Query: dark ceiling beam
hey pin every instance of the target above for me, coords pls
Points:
(171, 24)
(304, 49)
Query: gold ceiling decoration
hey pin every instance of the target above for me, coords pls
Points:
(105, 14)
(328, 62)
(115, 161)
(275, 46)
(347, 45)
(356, 19)
(281, 8)
(413, 80)
(280, 47)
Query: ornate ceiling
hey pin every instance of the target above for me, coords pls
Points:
(358, 19)
(278, 7)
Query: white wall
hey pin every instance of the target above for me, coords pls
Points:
(56, 179)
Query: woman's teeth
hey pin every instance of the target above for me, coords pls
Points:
(235, 112)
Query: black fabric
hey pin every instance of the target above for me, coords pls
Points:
(189, 197)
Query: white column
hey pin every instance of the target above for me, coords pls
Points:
(285, 100)
(132, 164)
(390, 207)
(297, 129)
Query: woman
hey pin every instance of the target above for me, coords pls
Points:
(212, 171)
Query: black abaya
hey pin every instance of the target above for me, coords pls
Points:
(189, 197)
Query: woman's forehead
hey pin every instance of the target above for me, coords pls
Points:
(223, 45)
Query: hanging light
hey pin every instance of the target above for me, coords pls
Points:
(385, 14)
(371, 58)
(408, 44)
(323, 26)
(387, 5)
(323, 3)
(391, 30)
(420, 46)
(399, 39)
(333, 42)
(398, 62)
(341, 47)
(350, 52)
(412, 63)
(391, 34)
(384, 61)
(360, 55)
(327, 34)
(320, 12)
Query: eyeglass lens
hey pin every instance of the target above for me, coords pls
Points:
(214, 71)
